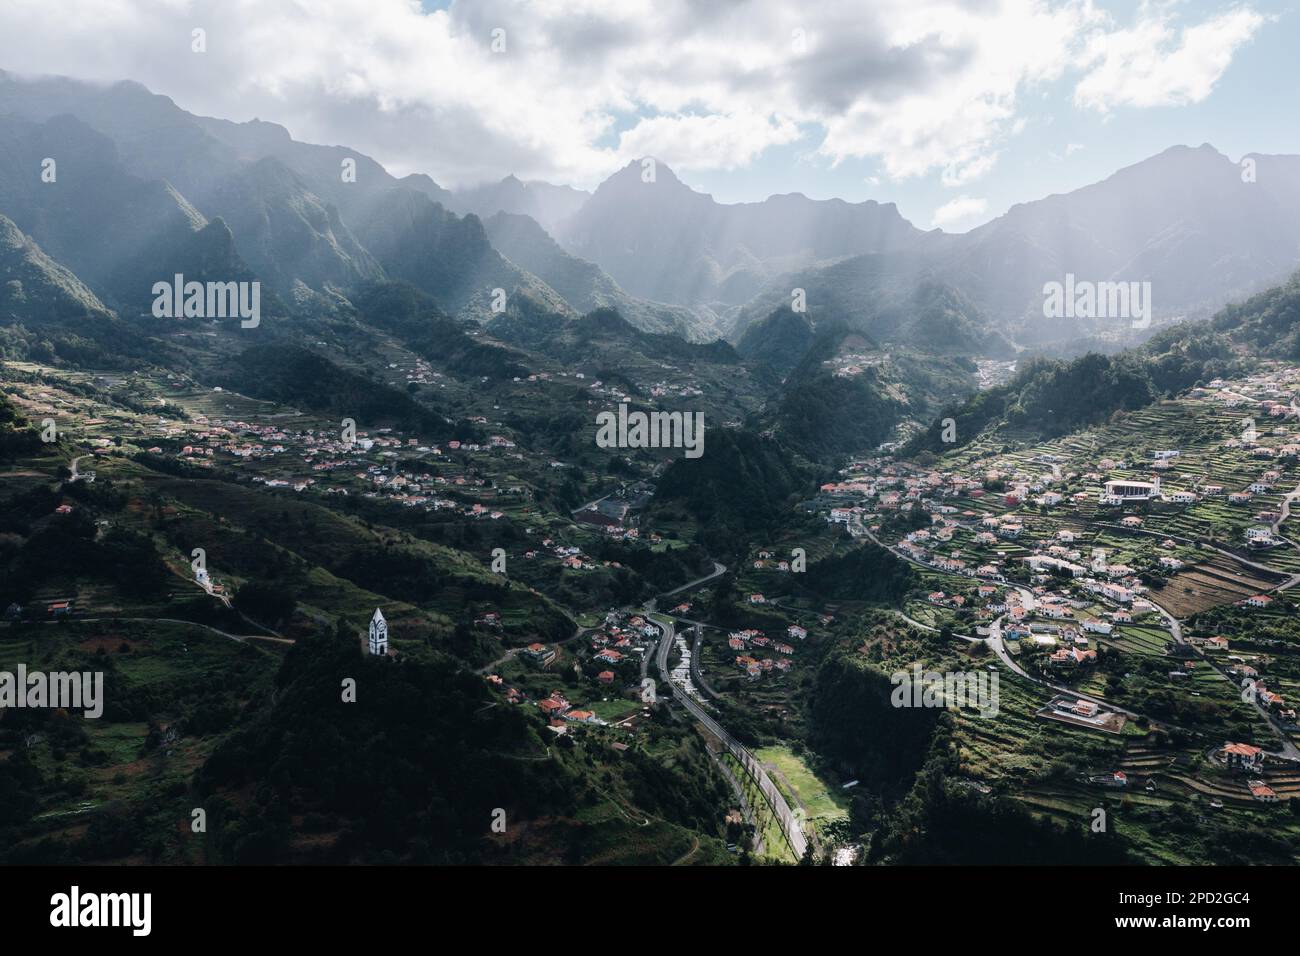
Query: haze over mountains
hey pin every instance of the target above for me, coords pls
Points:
(148, 189)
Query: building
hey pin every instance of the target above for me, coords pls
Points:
(1243, 756)
(378, 634)
(539, 653)
(1262, 792)
(1126, 489)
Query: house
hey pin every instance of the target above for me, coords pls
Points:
(539, 653)
(757, 599)
(553, 706)
(1117, 593)
(1218, 643)
(1242, 756)
(1097, 627)
(1072, 657)
(59, 609)
(1261, 792)
(605, 677)
(1085, 708)
(1258, 600)
(796, 632)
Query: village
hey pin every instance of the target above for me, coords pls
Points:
(1153, 556)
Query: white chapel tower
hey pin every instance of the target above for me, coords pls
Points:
(378, 634)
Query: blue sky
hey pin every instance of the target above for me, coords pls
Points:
(1252, 109)
(953, 109)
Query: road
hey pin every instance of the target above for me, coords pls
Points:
(515, 651)
(718, 571)
(241, 638)
(697, 678)
(784, 815)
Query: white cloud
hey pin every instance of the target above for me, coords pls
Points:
(706, 142)
(1155, 64)
(963, 209)
(920, 86)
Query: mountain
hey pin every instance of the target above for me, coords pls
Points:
(662, 240)
(110, 227)
(780, 340)
(47, 314)
(305, 217)
(838, 401)
(161, 140)
(287, 373)
(887, 297)
(286, 233)
(1185, 220)
(315, 221)
(34, 286)
(546, 203)
(1048, 398)
(602, 336)
(293, 213)
(450, 258)
(584, 285)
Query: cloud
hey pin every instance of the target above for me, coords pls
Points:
(706, 142)
(576, 88)
(961, 209)
(1155, 64)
